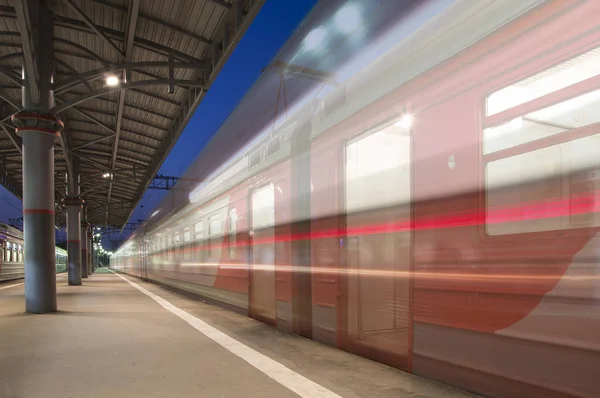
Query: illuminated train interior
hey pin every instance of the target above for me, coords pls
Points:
(434, 210)
(12, 252)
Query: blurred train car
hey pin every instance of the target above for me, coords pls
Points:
(12, 252)
(436, 211)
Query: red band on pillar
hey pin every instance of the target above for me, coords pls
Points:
(38, 129)
(38, 211)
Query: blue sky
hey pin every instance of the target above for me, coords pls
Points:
(270, 30)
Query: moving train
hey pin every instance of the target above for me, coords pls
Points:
(435, 211)
(11, 254)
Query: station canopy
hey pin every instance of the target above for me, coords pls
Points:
(128, 75)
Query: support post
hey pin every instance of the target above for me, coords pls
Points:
(84, 247)
(73, 206)
(89, 253)
(38, 133)
(38, 129)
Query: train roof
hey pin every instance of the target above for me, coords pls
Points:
(7, 230)
(424, 35)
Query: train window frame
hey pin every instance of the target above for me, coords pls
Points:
(560, 96)
(187, 243)
(199, 239)
(232, 218)
(211, 246)
(176, 244)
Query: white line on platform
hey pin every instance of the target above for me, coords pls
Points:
(16, 284)
(275, 370)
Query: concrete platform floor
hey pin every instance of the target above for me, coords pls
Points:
(113, 339)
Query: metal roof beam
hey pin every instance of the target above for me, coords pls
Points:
(7, 12)
(135, 133)
(103, 156)
(107, 90)
(10, 100)
(65, 144)
(155, 96)
(221, 48)
(158, 21)
(107, 137)
(132, 106)
(88, 159)
(10, 75)
(92, 25)
(82, 81)
(94, 120)
(86, 50)
(145, 44)
(134, 9)
(24, 26)
(129, 119)
(127, 153)
(133, 66)
(16, 140)
(221, 3)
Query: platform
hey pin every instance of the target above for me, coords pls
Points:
(117, 338)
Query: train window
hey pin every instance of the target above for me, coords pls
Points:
(215, 230)
(376, 165)
(565, 74)
(199, 230)
(187, 247)
(198, 237)
(232, 233)
(169, 248)
(541, 167)
(215, 225)
(556, 119)
(176, 245)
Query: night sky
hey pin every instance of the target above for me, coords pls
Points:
(276, 21)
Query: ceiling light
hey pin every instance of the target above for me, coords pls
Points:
(112, 80)
(405, 121)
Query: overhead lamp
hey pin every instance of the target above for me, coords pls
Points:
(405, 121)
(112, 80)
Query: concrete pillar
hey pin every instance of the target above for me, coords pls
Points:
(84, 248)
(38, 129)
(89, 247)
(74, 205)
(38, 133)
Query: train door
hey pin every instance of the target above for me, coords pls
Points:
(262, 278)
(377, 191)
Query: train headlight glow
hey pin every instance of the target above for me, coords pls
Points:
(405, 121)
